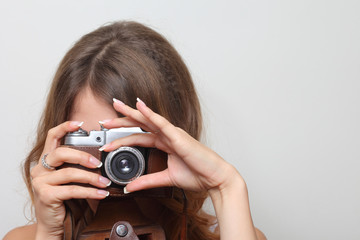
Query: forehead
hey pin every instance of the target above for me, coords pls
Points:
(91, 109)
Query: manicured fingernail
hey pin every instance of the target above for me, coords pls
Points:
(140, 101)
(126, 191)
(105, 121)
(103, 193)
(104, 180)
(94, 161)
(118, 101)
(103, 147)
(77, 123)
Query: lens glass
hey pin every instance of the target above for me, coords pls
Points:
(125, 165)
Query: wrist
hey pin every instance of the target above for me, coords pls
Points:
(43, 233)
(232, 184)
(231, 203)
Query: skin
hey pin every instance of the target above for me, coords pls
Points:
(191, 166)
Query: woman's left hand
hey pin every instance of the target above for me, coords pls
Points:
(191, 165)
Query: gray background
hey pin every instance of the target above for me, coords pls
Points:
(278, 82)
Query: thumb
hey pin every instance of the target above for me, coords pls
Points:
(153, 180)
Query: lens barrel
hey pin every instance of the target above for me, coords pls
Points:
(124, 165)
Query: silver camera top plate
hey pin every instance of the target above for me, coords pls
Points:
(98, 138)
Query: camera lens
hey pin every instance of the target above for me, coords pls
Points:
(124, 165)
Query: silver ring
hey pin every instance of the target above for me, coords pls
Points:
(45, 165)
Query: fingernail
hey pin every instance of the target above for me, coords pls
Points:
(103, 147)
(103, 193)
(104, 180)
(105, 121)
(140, 101)
(118, 101)
(77, 123)
(126, 191)
(94, 161)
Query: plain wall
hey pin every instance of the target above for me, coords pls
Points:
(279, 84)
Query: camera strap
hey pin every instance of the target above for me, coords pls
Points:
(104, 224)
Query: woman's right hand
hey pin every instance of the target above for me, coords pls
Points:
(48, 185)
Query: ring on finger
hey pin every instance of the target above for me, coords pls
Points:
(45, 164)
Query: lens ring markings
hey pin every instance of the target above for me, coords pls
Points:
(133, 158)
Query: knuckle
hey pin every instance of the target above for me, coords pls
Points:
(89, 177)
(153, 118)
(95, 178)
(51, 133)
(56, 132)
(80, 157)
(89, 192)
(163, 123)
(35, 183)
(178, 136)
(44, 193)
(72, 190)
(66, 172)
(180, 132)
(85, 175)
(34, 171)
(84, 157)
(132, 114)
(166, 126)
(57, 152)
(179, 129)
(76, 191)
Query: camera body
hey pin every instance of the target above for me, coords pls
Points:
(124, 164)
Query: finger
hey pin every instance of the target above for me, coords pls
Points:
(57, 133)
(64, 154)
(154, 180)
(139, 139)
(133, 114)
(51, 194)
(158, 122)
(75, 175)
(180, 141)
(123, 122)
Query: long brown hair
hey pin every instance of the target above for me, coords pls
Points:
(126, 60)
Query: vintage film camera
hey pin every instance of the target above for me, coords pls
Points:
(122, 165)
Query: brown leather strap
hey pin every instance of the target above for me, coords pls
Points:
(78, 216)
(110, 211)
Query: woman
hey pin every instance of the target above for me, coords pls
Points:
(126, 60)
